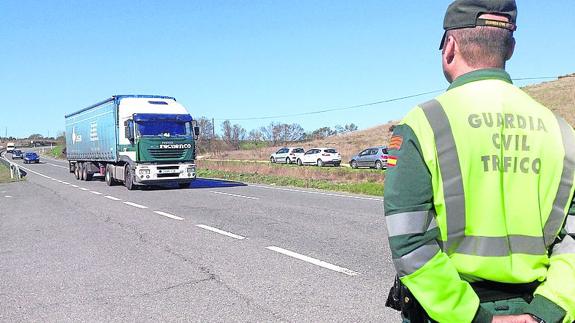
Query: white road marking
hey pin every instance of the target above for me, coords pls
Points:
(83, 189)
(319, 193)
(73, 185)
(8, 196)
(313, 261)
(65, 183)
(112, 198)
(58, 166)
(216, 230)
(136, 205)
(236, 195)
(171, 216)
(94, 192)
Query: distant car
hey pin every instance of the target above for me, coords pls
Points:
(320, 157)
(31, 158)
(16, 153)
(374, 157)
(287, 155)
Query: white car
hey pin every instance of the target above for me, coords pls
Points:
(320, 157)
(287, 155)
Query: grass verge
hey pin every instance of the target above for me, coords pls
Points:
(56, 152)
(367, 188)
(5, 174)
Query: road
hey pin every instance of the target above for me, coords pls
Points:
(215, 252)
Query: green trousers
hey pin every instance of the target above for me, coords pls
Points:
(506, 307)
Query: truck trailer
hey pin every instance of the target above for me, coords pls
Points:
(138, 140)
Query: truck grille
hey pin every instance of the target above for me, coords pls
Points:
(167, 153)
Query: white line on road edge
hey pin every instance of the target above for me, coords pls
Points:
(83, 189)
(94, 192)
(171, 216)
(65, 183)
(58, 166)
(236, 195)
(319, 193)
(313, 261)
(112, 198)
(136, 205)
(229, 234)
(74, 185)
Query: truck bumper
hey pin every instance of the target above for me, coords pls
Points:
(168, 173)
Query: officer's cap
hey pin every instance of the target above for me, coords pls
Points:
(465, 14)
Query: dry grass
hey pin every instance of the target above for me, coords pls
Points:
(558, 96)
(333, 174)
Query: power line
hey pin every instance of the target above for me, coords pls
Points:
(371, 103)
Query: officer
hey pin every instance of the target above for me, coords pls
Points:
(479, 187)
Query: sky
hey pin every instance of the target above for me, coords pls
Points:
(238, 59)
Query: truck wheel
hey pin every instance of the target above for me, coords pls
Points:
(108, 176)
(85, 175)
(82, 174)
(129, 179)
(77, 171)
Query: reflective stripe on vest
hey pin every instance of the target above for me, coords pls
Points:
(454, 198)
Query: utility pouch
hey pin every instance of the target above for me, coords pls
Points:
(401, 299)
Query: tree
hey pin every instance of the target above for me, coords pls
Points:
(206, 128)
(233, 134)
(255, 135)
(35, 136)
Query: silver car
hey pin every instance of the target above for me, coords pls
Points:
(374, 157)
(287, 155)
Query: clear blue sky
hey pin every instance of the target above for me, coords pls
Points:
(236, 59)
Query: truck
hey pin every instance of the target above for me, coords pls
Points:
(10, 147)
(137, 140)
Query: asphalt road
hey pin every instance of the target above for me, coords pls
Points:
(215, 252)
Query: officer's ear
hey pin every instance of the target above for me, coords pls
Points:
(511, 49)
(448, 51)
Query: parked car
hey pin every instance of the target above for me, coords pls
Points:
(31, 158)
(16, 153)
(374, 157)
(287, 155)
(320, 157)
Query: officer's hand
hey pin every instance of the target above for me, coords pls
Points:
(523, 318)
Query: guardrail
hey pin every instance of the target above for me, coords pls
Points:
(15, 171)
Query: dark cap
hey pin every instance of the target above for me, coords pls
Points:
(465, 14)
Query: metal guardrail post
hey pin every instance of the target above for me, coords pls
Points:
(14, 169)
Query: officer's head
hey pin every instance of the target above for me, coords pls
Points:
(478, 34)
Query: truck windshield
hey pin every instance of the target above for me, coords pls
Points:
(165, 128)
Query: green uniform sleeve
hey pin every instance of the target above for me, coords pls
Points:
(554, 299)
(413, 236)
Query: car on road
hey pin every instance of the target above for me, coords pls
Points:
(320, 157)
(31, 157)
(17, 153)
(287, 155)
(373, 157)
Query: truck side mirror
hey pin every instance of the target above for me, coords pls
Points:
(129, 129)
(196, 131)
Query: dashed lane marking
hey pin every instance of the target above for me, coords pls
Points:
(216, 230)
(7, 196)
(171, 216)
(236, 195)
(314, 261)
(83, 189)
(112, 198)
(136, 205)
(94, 192)
(74, 185)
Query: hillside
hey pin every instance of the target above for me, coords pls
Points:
(558, 95)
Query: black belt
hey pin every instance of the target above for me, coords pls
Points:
(489, 291)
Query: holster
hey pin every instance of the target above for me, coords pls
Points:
(401, 299)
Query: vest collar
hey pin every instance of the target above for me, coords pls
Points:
(479, 75)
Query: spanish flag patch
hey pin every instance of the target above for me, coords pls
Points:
(391, 161)
(395, 142)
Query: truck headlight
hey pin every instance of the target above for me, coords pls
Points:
(190, 170)
(144, 171)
